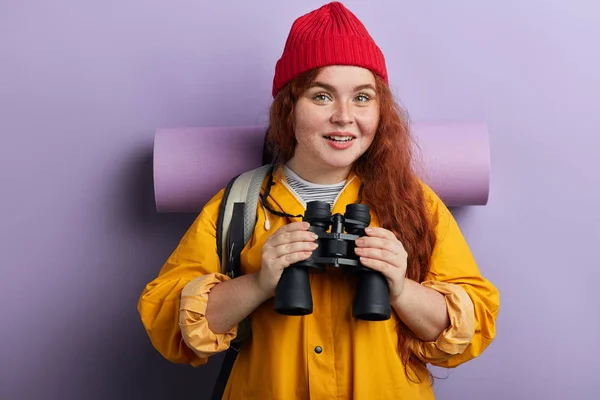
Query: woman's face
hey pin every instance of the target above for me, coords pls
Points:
(335, 121)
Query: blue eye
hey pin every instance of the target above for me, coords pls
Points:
(362, 98)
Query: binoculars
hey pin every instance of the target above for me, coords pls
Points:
(293, 294)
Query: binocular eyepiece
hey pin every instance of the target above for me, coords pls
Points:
(293, 295)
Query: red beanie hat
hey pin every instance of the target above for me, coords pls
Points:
(330, 35)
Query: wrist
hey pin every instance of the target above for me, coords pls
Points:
(263, 293)
(398, 300)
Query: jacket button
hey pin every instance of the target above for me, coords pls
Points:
(318, 349)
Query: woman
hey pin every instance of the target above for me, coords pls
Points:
(337, 136)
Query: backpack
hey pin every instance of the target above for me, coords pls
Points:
(235, 224)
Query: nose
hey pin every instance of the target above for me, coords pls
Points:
(342, 114)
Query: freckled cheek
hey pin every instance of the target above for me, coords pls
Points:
(307, 127)
(368, 124)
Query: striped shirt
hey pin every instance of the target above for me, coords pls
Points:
(308, 191)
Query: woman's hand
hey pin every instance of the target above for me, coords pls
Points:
(288, 245)
(381, 251)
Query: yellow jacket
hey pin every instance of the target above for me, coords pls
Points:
(359, 359)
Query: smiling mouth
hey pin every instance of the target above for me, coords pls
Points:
(339, 138)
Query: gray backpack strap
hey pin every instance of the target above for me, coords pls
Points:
(239, 200)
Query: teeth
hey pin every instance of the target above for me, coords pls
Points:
(340, 138)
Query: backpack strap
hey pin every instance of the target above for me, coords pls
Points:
(237, 217)
(235, 224)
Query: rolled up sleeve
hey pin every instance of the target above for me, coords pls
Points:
(457, 336)
(192, 317)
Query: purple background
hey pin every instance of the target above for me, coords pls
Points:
(83, 85)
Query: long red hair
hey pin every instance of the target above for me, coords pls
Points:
(386, 172)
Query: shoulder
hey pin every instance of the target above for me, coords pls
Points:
(211, 209)
(441, 218)
(206, 220)
(432, 200)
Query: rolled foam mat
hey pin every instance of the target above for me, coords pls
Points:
(192, 164)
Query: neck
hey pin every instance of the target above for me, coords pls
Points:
(318, 174)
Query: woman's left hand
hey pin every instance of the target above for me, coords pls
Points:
(381, 251)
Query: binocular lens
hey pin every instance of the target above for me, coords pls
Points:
(317, 210)
(359, 212)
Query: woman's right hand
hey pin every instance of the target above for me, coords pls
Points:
(288, 245)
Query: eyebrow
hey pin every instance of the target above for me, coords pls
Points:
(332, 89)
